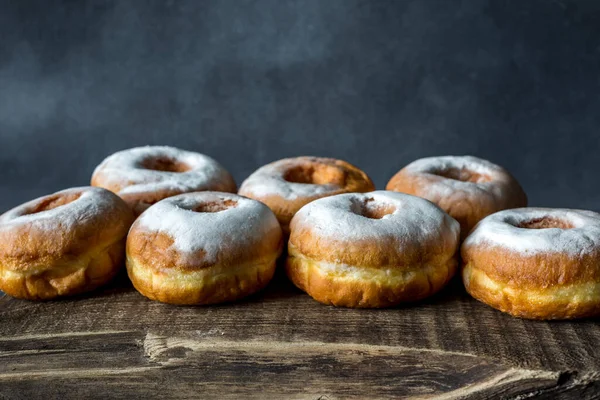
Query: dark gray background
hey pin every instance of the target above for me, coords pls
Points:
(378, 83)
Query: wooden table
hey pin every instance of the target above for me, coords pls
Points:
(114, 343)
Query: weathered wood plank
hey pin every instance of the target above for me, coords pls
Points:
(451, 321)
(138, 364)
(32, 354)
(281, 344)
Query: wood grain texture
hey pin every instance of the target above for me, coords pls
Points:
(282, 344)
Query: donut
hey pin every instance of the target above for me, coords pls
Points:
(288, 184)
(62, 244)
(368, 250)
(203, 248)
(535, 263)
(144, 175)
(466, 187)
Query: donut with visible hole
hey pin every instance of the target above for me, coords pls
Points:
(537, 263)
(62, 244)
(203, 248)
(466, 187)
(144, 175)
(370, 250)
(288, 184)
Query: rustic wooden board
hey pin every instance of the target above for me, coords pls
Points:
(280, 343)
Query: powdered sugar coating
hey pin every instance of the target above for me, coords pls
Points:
(125, 170)
(243, 225)
(91, 203)
(412, 220)
(443, 187)
(501, 230)
(269, 181)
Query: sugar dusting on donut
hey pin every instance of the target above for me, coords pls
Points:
(125, 170)
(471, 163)
(269, 181)
(91, 202)
(446, 186)
(192, 232)
(405, 216)
(507, 229)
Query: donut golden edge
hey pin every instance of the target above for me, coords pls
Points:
(574, 301)
(64, 277)
(364, 286)
(216, 284)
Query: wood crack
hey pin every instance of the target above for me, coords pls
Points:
(509, 382)
(61, 335)
(74, 373)
(587, 385)
(154, 345)
(127, 363)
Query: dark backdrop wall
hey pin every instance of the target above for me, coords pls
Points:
(378, 83)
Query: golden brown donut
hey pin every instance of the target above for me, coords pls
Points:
(288, 184)
(373, 249)
(144, 175)
(62, 244)
(466, 187)
(537, 263)
(203, 248)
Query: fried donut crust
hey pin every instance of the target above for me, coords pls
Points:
(288, 184)
(142, 176)
(203, 248)
(63, 244)
(535, 263)
(372, 250)
(466, 187)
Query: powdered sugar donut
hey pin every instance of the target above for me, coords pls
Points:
(468, 188)
(203, 248)
(536, 263)
(288, 184)
(371, 250)
(65, 243)
(144, 175)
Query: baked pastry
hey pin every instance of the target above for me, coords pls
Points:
(468, 188)
(288, 184)
(62, 244)
(144, 175)
(374, 249)
(203, 248)
(537, 263)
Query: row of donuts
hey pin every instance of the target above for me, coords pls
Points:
(194, 243)
(468, 188)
